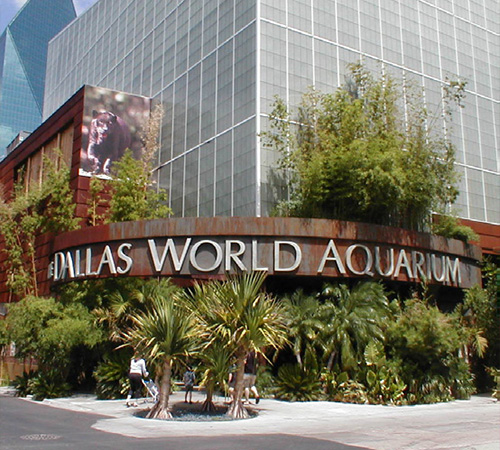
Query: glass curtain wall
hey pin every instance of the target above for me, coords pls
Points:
(216, 65)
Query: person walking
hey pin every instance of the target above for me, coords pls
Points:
(189, 380)
(136, 372)
(250, 376)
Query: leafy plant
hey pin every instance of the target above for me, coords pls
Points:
(111, 375)
(49, 384)
(134, 195)
(23, 383)
(450, 227)
(425, 343)
(352, 318)
(27, 212)
(356, 155)
(238, 313)
(495, 373)
(41, 385)
(48, 331)
(298, 384)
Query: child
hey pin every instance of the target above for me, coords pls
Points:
(189, 380)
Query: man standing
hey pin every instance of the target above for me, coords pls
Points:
(250, 377)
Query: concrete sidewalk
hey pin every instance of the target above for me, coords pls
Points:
(466, 424)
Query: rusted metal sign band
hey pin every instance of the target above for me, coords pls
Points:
(194, 247)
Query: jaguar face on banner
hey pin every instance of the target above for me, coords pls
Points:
(112, 122)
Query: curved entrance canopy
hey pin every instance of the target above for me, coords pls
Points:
(204, 247)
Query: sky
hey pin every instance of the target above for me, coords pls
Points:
(9, 8)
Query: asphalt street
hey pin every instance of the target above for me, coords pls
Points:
(83, 422)
(30, 425)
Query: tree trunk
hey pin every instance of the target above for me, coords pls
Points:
(237, 410)
(208, 404)
(298, 358)
(331, 359)
(160, 409)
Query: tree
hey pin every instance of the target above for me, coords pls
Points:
(303, 323)
(353, 319)
(426, 343)
(32, 210)
(359, 154)
(134, 195)
(215, 362)
(166, 332)
(48, 331)
(237, 313)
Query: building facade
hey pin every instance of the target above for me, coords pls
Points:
(216, 66)
(23, 56)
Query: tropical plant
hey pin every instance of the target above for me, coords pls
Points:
(296, 383)
(48, 384)
(133, 194)
(382, 381)
(425, 344)
(41, 385)
(353, 318)
(246, 319)
(449, 226)
(28, 212)
(215, 362)
(23, 383)
(48, 331)
(495, 373)
(166, 334)
(111, 375)
(355, 155)
(303, 323)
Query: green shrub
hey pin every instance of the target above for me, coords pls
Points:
(111, 375)
(41, 384)
(23, 383)
(495, 373)
(49, 385)
(450, 227)
(384, 386)
(265, 382)
(296, 384)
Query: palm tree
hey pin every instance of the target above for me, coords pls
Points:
(215, 361)
(302, 321)
(353, 318)
(244, 318)
(166, 333)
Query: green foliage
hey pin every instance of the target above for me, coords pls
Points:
(358, 155)
(302, 321)
(425, 344)
(41, 385)
(215, 362)
(166, 334)
(495, 373)
(96, 202)
(29, 212)
(479, 317)
(134, 195)
(165, 328)
(111, 375)
(23, 383)
(49, 384)
(449, 226)
(353, 319)
(266, 382)
(298, 384)
(237, 313)
(48, 330)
